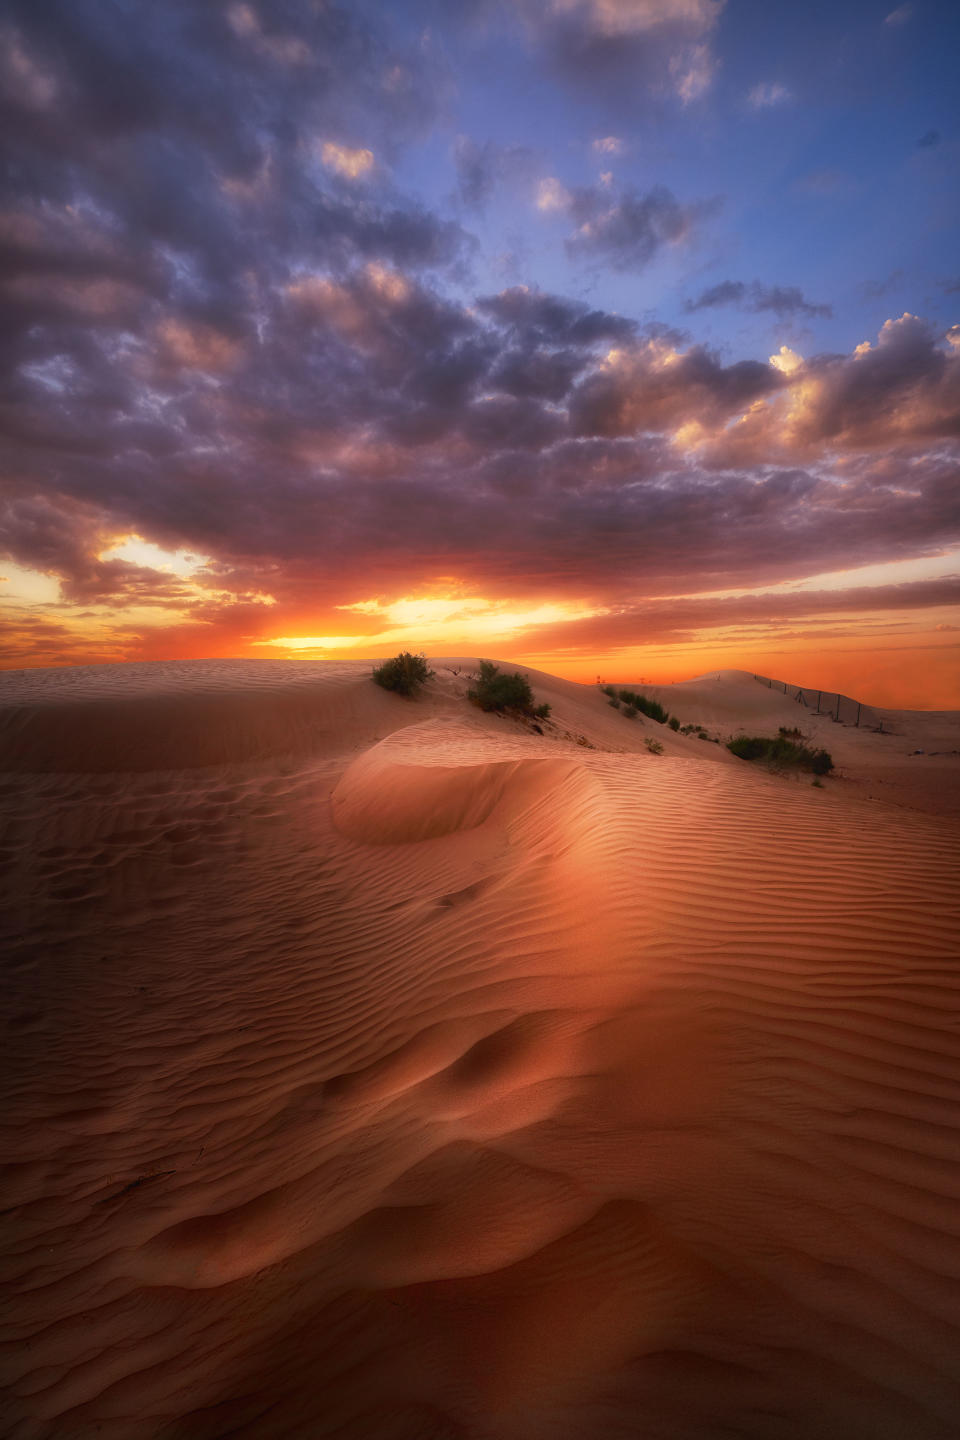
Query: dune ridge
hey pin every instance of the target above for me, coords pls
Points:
(401, 1072)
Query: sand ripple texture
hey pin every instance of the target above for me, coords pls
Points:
(386, 1070)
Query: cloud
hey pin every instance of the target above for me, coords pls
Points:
(527, 442)
(767, 94)
(349, 163)
(637, 17)
(929, 140)
(216, 341)
(630, 232)
(609, 145)
(24, 79)
(551, 195)
(652, 386)
(900, 16)
(904, 385)
(482, 168)
(554, 319)
(678, 619)
(637, 53)
(782, 300)
(903, 391)
(626, 230)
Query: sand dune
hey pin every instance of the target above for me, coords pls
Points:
(386, 1069)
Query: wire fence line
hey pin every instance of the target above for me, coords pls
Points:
(840, 708)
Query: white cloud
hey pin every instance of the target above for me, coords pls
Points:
(900, 16)
(636, 17)
(609, 145)
(767, 93)
(551, 195)
(692, 72)
(349, 163)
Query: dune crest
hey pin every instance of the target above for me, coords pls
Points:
(383, 1068)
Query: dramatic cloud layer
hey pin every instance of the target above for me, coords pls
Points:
(782, 300)
(230, 330)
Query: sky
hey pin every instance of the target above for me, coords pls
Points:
(616, 337)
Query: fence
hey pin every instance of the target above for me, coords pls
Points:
(840, 708)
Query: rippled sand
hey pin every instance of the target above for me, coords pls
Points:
(382, 1069)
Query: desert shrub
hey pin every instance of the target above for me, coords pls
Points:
(781, 753)
(614, 702)
(749, 747)
(404, 674)
(496, 691)
(654, 746)
(648, 707)
(674, 723)
(631, 712)
(608, 690)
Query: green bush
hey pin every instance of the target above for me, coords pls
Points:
(749, 747)
(654, 746)
(781, 753)
(652, 708)
(631, 712)
(496, 691)
(647, 707)
(404, 674)
(674, 723)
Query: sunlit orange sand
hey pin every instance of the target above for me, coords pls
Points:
(386, 1069)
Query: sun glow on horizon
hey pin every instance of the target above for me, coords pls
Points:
(432, 620)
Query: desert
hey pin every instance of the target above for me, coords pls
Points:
(479, 720)
(381, 1067)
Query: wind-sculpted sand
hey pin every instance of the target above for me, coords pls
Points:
(382, 1069)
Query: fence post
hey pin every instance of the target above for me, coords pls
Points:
(858, 712)
(819, 697)
(838, 708)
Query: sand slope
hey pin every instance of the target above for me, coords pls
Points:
(389, 1070)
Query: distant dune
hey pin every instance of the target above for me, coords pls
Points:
(386, 1069)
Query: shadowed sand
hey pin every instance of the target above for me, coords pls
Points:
(389, 1070)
